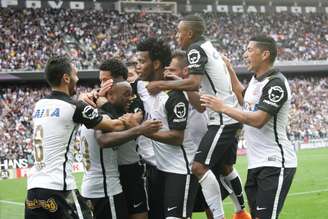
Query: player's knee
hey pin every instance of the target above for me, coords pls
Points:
(198, 169)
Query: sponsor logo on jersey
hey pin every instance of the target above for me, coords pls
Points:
(193, 56)
(276, 93)
(89, 113)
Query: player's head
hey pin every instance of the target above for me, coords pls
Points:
(153, 55)
(131, 65)
(190, 28)
(120, 94)
(178, 65)
(260, 50)
(61, 73)
(112, 69)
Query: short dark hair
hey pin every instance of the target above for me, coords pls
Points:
(266, 43)
(197, 24)
(157, 50)
(55, 68)
(181, 55)
(116, 68)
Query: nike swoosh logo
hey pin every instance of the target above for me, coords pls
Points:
(137, 205)
(198, 152)
(170, 209)
(260, 209)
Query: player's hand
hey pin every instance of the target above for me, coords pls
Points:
(101, 101)
(170, 76)
(227, 61)
(153, 87)
(149, 127)
(89, 98)
(212, 102)
(131, 119)
(105, 87)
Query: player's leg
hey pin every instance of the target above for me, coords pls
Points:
(134, 187)
(210, 153)
(273, 186)
(180, 191)
(110, 207)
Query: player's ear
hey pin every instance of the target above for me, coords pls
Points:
(66, 78)
(266, 55)
(157, 64)
(185, 71)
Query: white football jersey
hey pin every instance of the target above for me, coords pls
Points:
(127, 153)
(145, 148)
(205, 60)
(101, 177)
(55, 121)
(269, 145)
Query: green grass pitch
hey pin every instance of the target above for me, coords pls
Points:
(308, 198)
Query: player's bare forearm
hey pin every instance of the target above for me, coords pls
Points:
(192, 83)
(194, 100)
(172, 137)
(111, 125)
(255, 119)
(237, 87)
(111, 139)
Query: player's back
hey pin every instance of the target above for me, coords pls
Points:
(101, 175)
(54, 134)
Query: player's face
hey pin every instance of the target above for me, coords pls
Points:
(132, 74)
(253, 57)
(121, 96)
(174, 68)
(183, 35)
(104, 76)
(144, 67)
(73, 81)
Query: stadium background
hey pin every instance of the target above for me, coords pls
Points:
(90, 31)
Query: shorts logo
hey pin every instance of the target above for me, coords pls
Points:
(193, 56)
(170, 209)
(89, 113)
(137, 205)
(259, 209)
(276, 93)
(49, 204)
(180, 110)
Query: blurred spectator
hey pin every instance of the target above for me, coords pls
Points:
(28, 37)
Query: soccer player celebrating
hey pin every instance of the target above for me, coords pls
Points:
(101, 181)
(51, 185)
(266, 102)
(173, 146)
(208, 71)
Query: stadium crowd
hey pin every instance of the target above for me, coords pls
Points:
(307, 117)
(28, 37)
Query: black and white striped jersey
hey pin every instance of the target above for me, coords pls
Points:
(101, 177)
(55, 121)
(269, 145)
(205, 60)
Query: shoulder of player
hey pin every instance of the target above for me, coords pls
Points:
(277, 79)
(60, 96)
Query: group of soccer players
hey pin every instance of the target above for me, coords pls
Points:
(164, 145)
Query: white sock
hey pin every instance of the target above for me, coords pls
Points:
(234, 182)
(212, 193)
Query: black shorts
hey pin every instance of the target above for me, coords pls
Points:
(179, 193)
(46, 203)
(219, 145)
(133, 182)
(155, 192)
(266, 189)
(109, 207)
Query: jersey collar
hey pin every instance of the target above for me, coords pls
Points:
(266, 74)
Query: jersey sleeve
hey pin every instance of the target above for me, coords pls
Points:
(274, 95)
(177, 111)
(196, 58)
(86, 115)
(136, 105)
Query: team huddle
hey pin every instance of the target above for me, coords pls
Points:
(164, 145)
